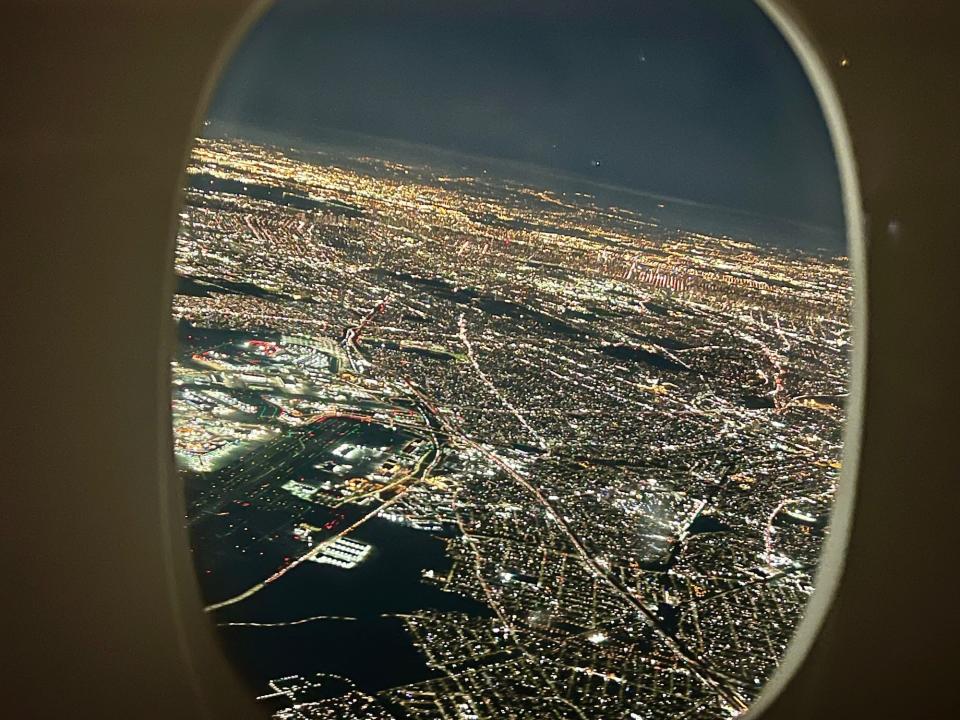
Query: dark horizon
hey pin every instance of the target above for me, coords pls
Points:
(670, 213)
(693, 100)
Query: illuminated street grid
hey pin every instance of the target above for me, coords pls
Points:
(634, 432)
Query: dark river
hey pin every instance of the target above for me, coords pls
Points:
(374, 651)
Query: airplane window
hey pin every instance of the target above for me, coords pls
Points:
(513, 357)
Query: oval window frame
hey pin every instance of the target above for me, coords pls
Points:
(184, 591)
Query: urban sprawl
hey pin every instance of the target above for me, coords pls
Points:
(627, 435)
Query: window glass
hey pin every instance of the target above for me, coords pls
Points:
(513, 354)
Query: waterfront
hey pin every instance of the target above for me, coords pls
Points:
(387, 582)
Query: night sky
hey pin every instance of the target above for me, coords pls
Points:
(695, 99)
